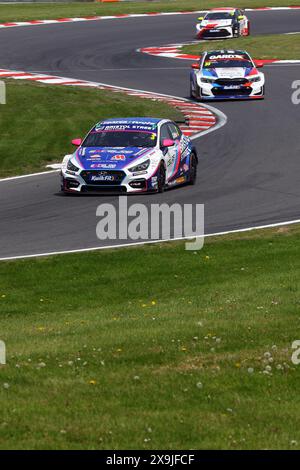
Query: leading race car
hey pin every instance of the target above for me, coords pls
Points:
(226, 74)
(223, 23)
(130, 155)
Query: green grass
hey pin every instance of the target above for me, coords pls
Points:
(39, 121)
(260, 47)
(105, 349)
(48, 11)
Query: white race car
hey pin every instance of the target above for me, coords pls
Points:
(226, 74)
(221, 23)
(130, 155)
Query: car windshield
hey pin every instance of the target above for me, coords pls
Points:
(120, 139)
(224, 63)
(219, 16)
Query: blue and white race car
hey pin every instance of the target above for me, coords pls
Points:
(128, 155)
(226, 74)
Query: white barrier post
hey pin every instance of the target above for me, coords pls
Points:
(2, 92)
(2, 353)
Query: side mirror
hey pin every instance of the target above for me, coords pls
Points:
(241, 17)
(76, 142)
(168, 143)
(195, 66)
(201, 18)
(259, 64)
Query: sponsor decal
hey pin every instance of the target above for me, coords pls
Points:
(226, 56)
(125, 126)
(96, 156)
(102, 178)
(106, 166)
(232, 87)
(119, 158)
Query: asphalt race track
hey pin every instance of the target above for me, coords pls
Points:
(249, 170)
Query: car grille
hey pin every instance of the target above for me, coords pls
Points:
(103, 177)
(104, 189)
(220, 33)
(231, 81)
(241, 92)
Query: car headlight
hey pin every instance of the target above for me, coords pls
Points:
(72, 167)
(254, 79)
(140, 167)
(207, 80)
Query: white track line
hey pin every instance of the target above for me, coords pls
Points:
(10, 178)
(135, 244)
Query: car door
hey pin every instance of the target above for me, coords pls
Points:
(170, 153)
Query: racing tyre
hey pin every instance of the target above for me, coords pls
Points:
(197, 94)
(161, 178)
(193, 170)
(248, 29)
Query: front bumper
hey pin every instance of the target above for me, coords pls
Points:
(214, 91)
(114, 181)
(221, 32)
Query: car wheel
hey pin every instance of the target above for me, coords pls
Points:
(195, 94)
(161, 178)
(248, 29)
(193, 170)
(199, 96)
(191, 91)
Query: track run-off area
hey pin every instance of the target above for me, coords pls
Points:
(248, 168)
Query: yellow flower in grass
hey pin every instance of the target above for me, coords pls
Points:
(92, 382)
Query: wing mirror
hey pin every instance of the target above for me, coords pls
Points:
(195, 65)
(259, 63)
(201, 18)
(168, 143)
(241, 17)
(76, 142)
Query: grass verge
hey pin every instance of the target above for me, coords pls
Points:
(38, 121)
(48, 11)
(154, 347)
(260, 47)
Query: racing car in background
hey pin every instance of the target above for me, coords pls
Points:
(222, 23)
(130, 155)
(226, 74)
